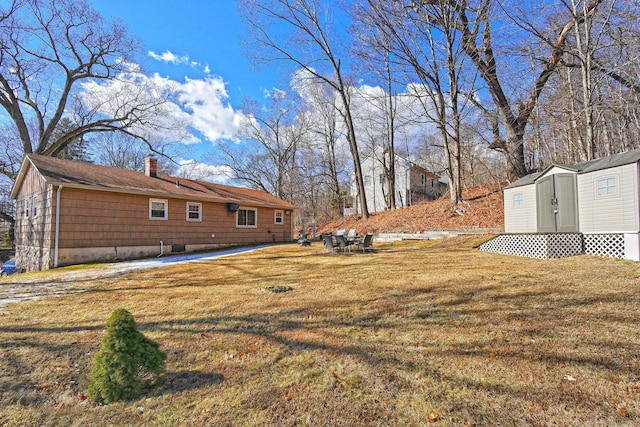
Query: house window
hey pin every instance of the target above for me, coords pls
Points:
(518, 199)
(26, 208)
(607, 187)
(423, 179)
(158, 209)
(279, 217)
(367, 180)
(247, 218)
(34, 206)
(382, 179)
(194, 211)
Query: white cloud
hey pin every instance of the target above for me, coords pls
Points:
(192, 110)
(191, 169)
(206, 102)
(169, 57)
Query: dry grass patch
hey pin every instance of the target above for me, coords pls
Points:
(413, 334)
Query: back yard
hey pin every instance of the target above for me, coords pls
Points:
(416, 333)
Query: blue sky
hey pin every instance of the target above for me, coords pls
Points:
(207, 35)
(197, 44)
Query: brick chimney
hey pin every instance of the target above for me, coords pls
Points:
(151, 166)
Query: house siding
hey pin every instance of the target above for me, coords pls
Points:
(104, 214)
(618, 213)
(124, 221)
(34, 235)
(408, 186)
(430, 190)
(520, 219)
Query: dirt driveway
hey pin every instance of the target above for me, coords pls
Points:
(23, 287)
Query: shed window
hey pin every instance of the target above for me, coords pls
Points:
(367, 180)
(194, 211)
(26, 208)
(423, 179)
(607, 187)
(34, 206)
(279, 217)
(158, 209)
(247, 218)
(518, 199)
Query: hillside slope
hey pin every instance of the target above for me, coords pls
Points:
(482, 208)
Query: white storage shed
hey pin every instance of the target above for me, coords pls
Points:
(591, 207)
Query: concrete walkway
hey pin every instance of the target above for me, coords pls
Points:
(19, 288)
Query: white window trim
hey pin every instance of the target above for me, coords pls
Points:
(247, 209)
(27, 208)
(166, 209)
(520, 198)
(34, 207)
(596, 181)
(275, 217)
(199, 219)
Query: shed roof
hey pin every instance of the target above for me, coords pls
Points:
(75, 174)
(615, 160)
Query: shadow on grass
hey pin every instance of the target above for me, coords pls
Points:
(177, 382)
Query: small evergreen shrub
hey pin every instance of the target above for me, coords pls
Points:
(126, 362)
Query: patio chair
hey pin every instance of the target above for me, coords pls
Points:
(329, 244)
(367, 243)
(352, 237)
(342, 243)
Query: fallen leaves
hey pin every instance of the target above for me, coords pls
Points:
(433, 417)
(483, 209)
(231, 355)
(337, 378)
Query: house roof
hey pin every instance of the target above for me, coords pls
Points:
(83, 175)
(615, 160)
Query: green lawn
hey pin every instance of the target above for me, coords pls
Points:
(416, 333)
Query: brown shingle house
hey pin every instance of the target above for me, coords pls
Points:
(71, 212)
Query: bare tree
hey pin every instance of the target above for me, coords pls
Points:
(55, 58)
(474, 22)
(47, 48)
(266, 159)
(426, 41)
(597, 87)
(119, 150)
(307, 43)
(323, 150)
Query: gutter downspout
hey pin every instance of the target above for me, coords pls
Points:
(57, 234)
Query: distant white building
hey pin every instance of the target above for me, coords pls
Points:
(413, 183)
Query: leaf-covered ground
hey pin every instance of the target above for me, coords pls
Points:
(482, 208)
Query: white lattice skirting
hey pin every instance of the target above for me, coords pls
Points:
(540, 246)
(611, 245)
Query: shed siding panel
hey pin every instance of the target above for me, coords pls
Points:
(617, 213)
(92, 219)
(520, 219)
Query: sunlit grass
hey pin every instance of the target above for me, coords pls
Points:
(413, 331)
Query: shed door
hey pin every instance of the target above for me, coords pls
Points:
(557, 203)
